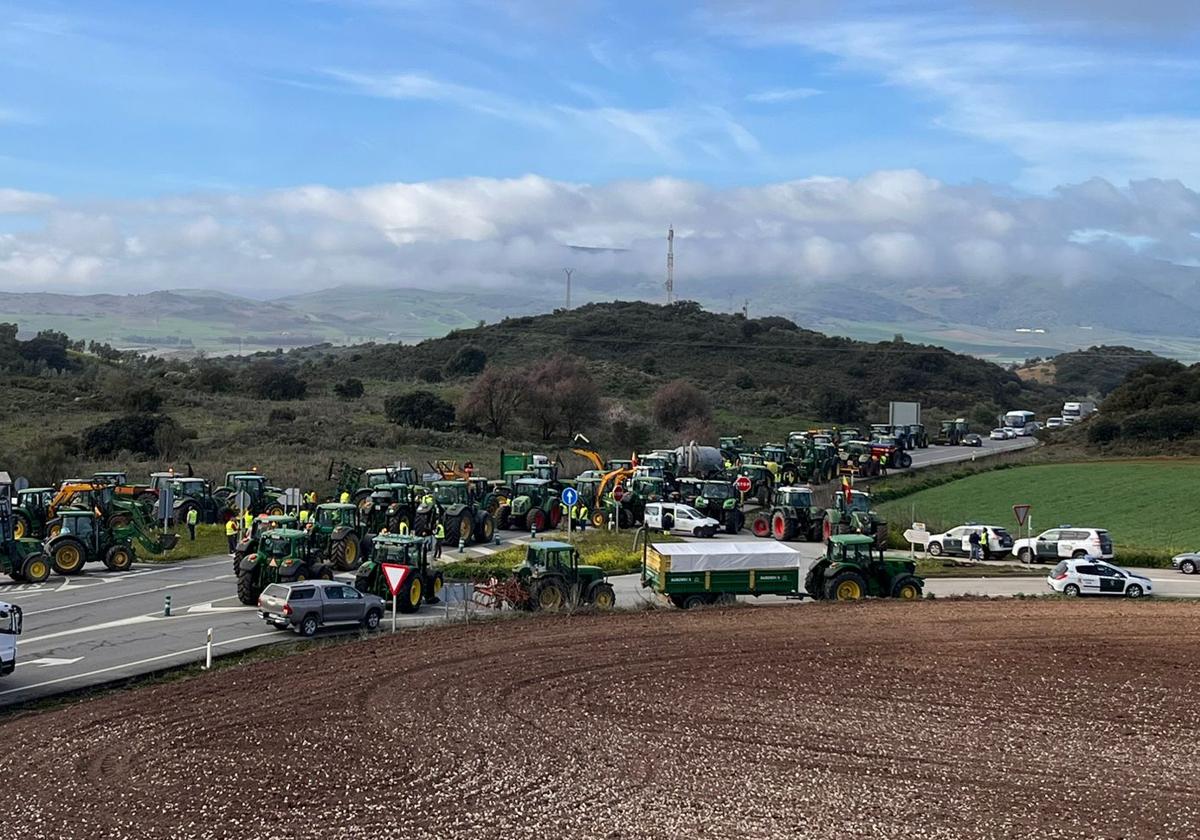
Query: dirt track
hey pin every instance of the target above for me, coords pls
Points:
(935, 720)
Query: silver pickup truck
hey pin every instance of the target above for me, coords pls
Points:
(10, 628)
(307, 606)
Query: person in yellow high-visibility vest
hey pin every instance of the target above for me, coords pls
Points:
(345, 497)
(439, 534)
(247, 521)
(193, 516)
(303, 515)
(231, 534)
(402, 528)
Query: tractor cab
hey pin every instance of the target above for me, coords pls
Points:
(479, 487)
(774, 453)
(262, 524)
(689, 490)
(752, 459)
(860, 502)
(879, 430)
(798, 440)
(854, 567)
(649, 487)
(553, 577)
(280, 544)
(534, 488)
(80, 524)
(792, 497)
(422, 583)
(613, 464)
(399, 549)
(512, 477)
(113, 477)
(35, 499)
(190, 488)
(450, 493)
(718, 490)
(232, 474)
(333, 515)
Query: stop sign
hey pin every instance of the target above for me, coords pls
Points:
(618, 493)
(742, 484)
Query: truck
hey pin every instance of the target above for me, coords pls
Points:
(699, 574)
(1077, 412)
(10, 628)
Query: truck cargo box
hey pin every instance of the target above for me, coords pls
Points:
(721, 555)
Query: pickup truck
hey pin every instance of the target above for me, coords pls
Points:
(10, 628)
(310, 605)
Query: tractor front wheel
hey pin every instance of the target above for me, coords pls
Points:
(465, 530)
(409, 600)
(604, 597)
(734, 521)
(907, 588)
(433, 592)
(599, 520)
(485, 527)
(761, 526)
(68, 557)
(537, 520)
(247, 591)
(274, 509)
(846, 586)
(36, 568)
(21, 527)
(119, 558)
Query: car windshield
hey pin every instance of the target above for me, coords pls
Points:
(688, 512)
(451, 494)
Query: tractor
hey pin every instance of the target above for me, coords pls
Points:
(918, 436)
(952, 432)
(761, 481)
(284, 555)
(31, 512)
(858, 458)
(190, 493)
(388, 505)
(732, 447)
(802, 459)
(21, 558)
(854, 516)
(890, 448)
(640, 490)
(259, 496)
(337, 534)
(86, 536)
(462, 517)
(369, 480)
(715, 498)
(553, 577)
(119, 479)
(534, 505)
(424, 580)
(854, 567)
(792, 515)
(248, 544)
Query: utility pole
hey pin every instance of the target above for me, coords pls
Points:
(568, 272)
(671, 264)
(746, 308)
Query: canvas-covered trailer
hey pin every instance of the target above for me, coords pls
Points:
(692, 574)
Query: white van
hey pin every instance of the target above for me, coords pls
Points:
(680, 518)
(10, 628)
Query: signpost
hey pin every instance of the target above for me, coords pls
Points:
(742, 485)
(917, 535)
(166, 504)
(395, 575)
(570, 497)
(1023, 518)
(292, 498)
(618, 494)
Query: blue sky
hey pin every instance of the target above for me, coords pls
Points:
(147, 142)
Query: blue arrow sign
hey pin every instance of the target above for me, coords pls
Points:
(570, 496)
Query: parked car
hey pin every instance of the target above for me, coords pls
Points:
(307, 606)
(994, 540)
(999, 434)
(674, 516)
(972, 440)
(1011, 434)
(1054, 423)
(1089, 576)
(1188, 562)
(1064, 541)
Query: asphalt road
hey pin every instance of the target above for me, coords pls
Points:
(102, 626)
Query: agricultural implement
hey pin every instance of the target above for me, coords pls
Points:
(86, 536)
(550, 578)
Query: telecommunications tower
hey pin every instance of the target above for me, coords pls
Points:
(671, 264)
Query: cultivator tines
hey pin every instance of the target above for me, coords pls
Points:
(497, 594)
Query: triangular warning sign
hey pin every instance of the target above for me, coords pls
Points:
(1022, 513)
(395, 575)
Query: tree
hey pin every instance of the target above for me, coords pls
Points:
(679, 404)
(840, 407)
(420, 410)
(560, 395)
(468, 361)
(140, 434)
(492, 402)
(273, 382)
(351, 389)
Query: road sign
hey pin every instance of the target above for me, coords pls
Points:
(241, 500)
(291, 497)
(395, 575)
(917, 536)
(1022, 513)
(742, 485)
(166, 503)
(570, 497)
(618, 493)
(21, 483)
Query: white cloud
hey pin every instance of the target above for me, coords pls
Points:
(775, 95)
(19, 201)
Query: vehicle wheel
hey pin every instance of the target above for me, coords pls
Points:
(905, 460)
(1078, 554)
(599, 520)
(321, 572)
(309, 626)
(35, 569)
(677, 601)
(555, 516)
(21, 528)
(761, 526)
(247, 592)
(537, 520)
(692, 601)
(371, 621)
(433, 592)
(53, 528)
(68, 557)
(119, 558)
(485, 527)
(783, 528)
(789, 475)
(1071, 590)
(346, 554)
(548, 595)
(1133, 591)
(1188, 567)
(907, 588)
(846, 586)
(410, 596)
(465, 530)
(934, 549)
(826, 530)
(604, 597)
(734, 521)
(119, 520)
(1025, 556)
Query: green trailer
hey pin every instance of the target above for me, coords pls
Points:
(699, 574)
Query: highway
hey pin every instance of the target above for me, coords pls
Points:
(102, 626)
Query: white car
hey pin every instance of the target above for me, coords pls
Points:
(1089, 576)
(1054, 423)
(1188, 562)
(1010, 434)
(998, 434)
(681, 518)
(1064, 541)
(994, 541)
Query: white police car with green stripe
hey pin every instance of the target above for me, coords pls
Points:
(1089, 576)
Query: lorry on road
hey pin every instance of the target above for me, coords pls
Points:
(10, 628)
(1077, 412)
(852, 567)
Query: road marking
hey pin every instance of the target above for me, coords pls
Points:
(125, 595)
(134, 664)
(208, 607)
(49, 662)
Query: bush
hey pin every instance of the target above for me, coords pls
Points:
(420, 410)
(1176, 422)
(1103, 429)
(680, 404)
(429, 374)
(468, 361)
(141, 434)
(561, 394)
(837, 406)
(271, 382)
(351, 389)
(743, 380)
(281, 415)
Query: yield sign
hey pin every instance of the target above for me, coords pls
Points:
(395, 575)
(1022, 513)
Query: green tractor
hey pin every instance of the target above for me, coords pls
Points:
(463, 518)
(21, 558)
(855, 516)
(284, 556)
(715, 498)
(260, 497)
(337, 534)
(190, 493)
(762, 480)
(373, 478)
(87, 537)
(31, 513)
(248, 544)
(424, 580)
(534, 505)
(952, 432)
(792, 515)
(553, 577)
(388, 505)
(854, 567)
(640, 490)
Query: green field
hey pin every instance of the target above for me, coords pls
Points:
(1146, 505)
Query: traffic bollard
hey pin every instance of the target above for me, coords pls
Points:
(496, 537)
(533, 533)
(167, 606)
(461, 545)
(208, 652)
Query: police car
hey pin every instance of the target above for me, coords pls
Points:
(993, 539)
(1064, 541)
(1089, 576)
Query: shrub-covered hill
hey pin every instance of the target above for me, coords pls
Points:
(633, 347)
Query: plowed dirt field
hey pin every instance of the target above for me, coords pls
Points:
(956, 720)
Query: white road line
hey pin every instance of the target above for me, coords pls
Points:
(125, 595)
(134, 664)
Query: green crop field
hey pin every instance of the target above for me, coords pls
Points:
(1147, 506)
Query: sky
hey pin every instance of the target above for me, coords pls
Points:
(270, 146)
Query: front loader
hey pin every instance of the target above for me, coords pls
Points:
(88, 537)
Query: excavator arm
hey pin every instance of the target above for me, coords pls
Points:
(145, 532)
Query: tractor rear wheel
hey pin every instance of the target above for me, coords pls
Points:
(537, 520)
(21, 528)
(433, 592)
(35, 568)
(846, 586)
(346, 553)
(734, 521)
(68, 557)
(247, 590)
(485, 527)
(789, 475)
(119, 558)
(603, 596)
(555, 516)
(548, 594)
(465, 531)
(907, 588)
(761, 526)
(783, 528)
(409, 599)
(599, 520)
(274, 509)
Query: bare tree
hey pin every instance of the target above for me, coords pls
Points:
(492, 401)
